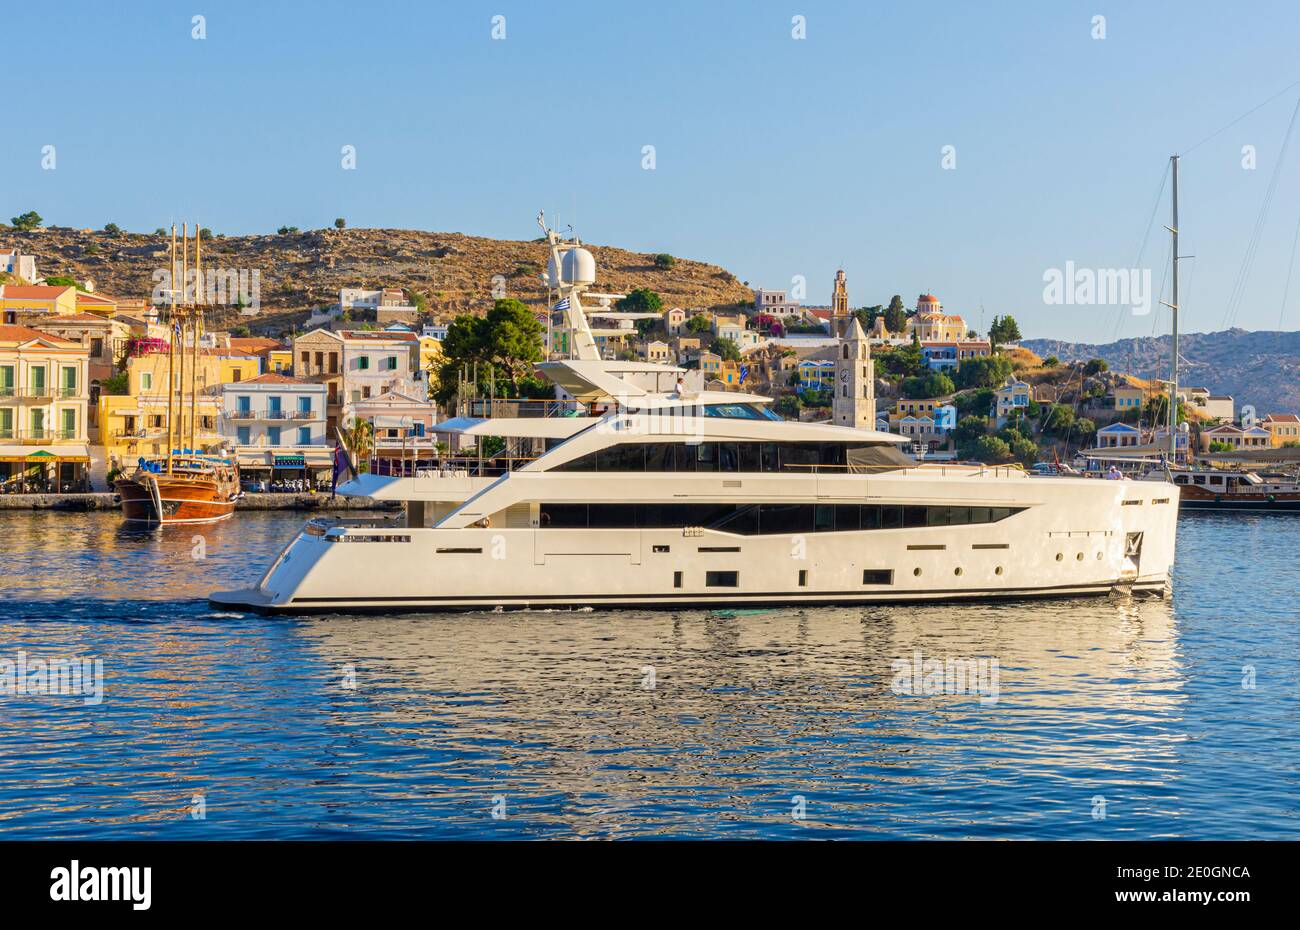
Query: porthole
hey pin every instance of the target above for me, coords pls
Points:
(1059, 556)
(917, 571)
(998, 570)
(1098, 555)
(957, 570)
(1079, 557)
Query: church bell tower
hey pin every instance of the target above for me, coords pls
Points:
(855, 379)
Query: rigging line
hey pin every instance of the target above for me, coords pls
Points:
(1281, 312)
(1240, 118)
(1248, 260)
(1142, 246)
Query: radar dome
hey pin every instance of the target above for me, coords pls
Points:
(577, 266)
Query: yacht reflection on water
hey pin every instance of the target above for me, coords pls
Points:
(613, 714)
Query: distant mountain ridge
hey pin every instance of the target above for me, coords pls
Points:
(1258, 368)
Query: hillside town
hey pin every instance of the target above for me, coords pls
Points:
(84, 391)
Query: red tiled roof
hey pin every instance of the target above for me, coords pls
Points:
(35, 291)
(1282, 418)
(19, 334)
(84, 298)
(274, 377)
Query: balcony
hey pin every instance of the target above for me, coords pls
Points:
(246, 415)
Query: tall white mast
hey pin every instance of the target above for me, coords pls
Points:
(1173, 306)
(569, 280)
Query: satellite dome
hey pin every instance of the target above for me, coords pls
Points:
(577, 266)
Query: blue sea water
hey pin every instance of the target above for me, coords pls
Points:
(1113, 718)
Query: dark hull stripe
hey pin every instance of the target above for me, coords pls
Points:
(675, 600)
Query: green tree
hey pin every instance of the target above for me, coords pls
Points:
(61, 280)
(340, 223)
(991, 449)
(664, 261)
(976, 403)
(970, 429)
(116, 383)
(1218, 445)
(789, 406)
(505, 344)
(1023, 449)
(895, 315)
(1095, 366)
(1058, 420)
(1051, 361)
(700, 323)
(726, 349)
(867, 316)
(1004, 329)
(934, 384)
(27, 221)
(112, 229)
(287, 230)
(641, 300)
(989, 371)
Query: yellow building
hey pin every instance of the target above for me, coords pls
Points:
(44, 393)
(931, 324)
(134, 424)
(923, 407)
(96, 303)
(235, 364)
(430, 354)
(18, 302)
(280, 361)
(1282, 427)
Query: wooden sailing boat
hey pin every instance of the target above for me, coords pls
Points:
(186, 486)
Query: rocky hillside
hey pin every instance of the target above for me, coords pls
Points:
(303, 270)
(1259, 368)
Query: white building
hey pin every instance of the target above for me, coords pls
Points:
(19, 265)
(359, 298)
(376, 362)
(273, 411)
(776, 303)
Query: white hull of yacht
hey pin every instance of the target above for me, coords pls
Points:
(1073, 537)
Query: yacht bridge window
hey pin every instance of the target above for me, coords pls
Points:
(735, 456)
(766, 519)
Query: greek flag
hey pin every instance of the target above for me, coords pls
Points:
(562, 305)
(744, 373)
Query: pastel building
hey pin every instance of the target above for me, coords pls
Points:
(43, 411)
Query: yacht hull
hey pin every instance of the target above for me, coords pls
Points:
(1079, 538)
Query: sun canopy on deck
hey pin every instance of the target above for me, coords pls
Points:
(526, 427)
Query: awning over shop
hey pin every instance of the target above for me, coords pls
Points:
(319, 457)
(38, 454)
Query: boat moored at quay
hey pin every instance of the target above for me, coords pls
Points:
(639, 496)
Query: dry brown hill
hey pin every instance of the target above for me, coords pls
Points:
(303, 270)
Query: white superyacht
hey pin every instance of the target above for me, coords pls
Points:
(665, 497)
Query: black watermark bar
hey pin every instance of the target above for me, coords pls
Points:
(136, 880)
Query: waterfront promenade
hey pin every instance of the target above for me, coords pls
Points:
(260, 501)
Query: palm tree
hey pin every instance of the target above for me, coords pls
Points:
(359, 441)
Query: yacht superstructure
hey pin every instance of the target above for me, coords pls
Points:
(683, 498)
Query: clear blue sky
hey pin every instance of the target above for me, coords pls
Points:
(775, 157)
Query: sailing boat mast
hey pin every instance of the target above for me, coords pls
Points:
(171, 351)
(1173, 306)
(195, 322)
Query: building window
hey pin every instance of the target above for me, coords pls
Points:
(363, 362)
(304, 435)
(242, 435)
(722, 579)
(146, 381)
(69, 425)
(273, 435)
